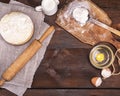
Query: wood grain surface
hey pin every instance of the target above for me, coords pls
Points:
(65, 69)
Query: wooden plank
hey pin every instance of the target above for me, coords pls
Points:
(5, 1)
(4, 92)
(111, 4)
(66, 63)
(62, 39)
(73, 92)
(65, 92)
(69, 68)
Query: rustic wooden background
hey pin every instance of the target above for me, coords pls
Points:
(65, 69)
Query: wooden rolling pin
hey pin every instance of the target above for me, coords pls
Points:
(26, 55)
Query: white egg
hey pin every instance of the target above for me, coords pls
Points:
(106, 72)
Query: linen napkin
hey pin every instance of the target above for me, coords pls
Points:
(8, 53)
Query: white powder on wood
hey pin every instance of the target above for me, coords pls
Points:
(81, 15)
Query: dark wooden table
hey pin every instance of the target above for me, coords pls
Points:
(65, 69)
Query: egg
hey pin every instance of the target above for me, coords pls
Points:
(100, 57)
(106, 72)
(96, 81)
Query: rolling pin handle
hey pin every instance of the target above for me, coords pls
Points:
(2, 81)
(46, 34)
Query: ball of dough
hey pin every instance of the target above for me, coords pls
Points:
(16, 28)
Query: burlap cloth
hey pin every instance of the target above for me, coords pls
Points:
(8, 53)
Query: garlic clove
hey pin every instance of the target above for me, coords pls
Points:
(106, 72)
(96, 81)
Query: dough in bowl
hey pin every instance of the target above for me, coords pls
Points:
(16, 28)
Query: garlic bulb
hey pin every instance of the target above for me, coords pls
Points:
(106, 72)
(96, 81)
